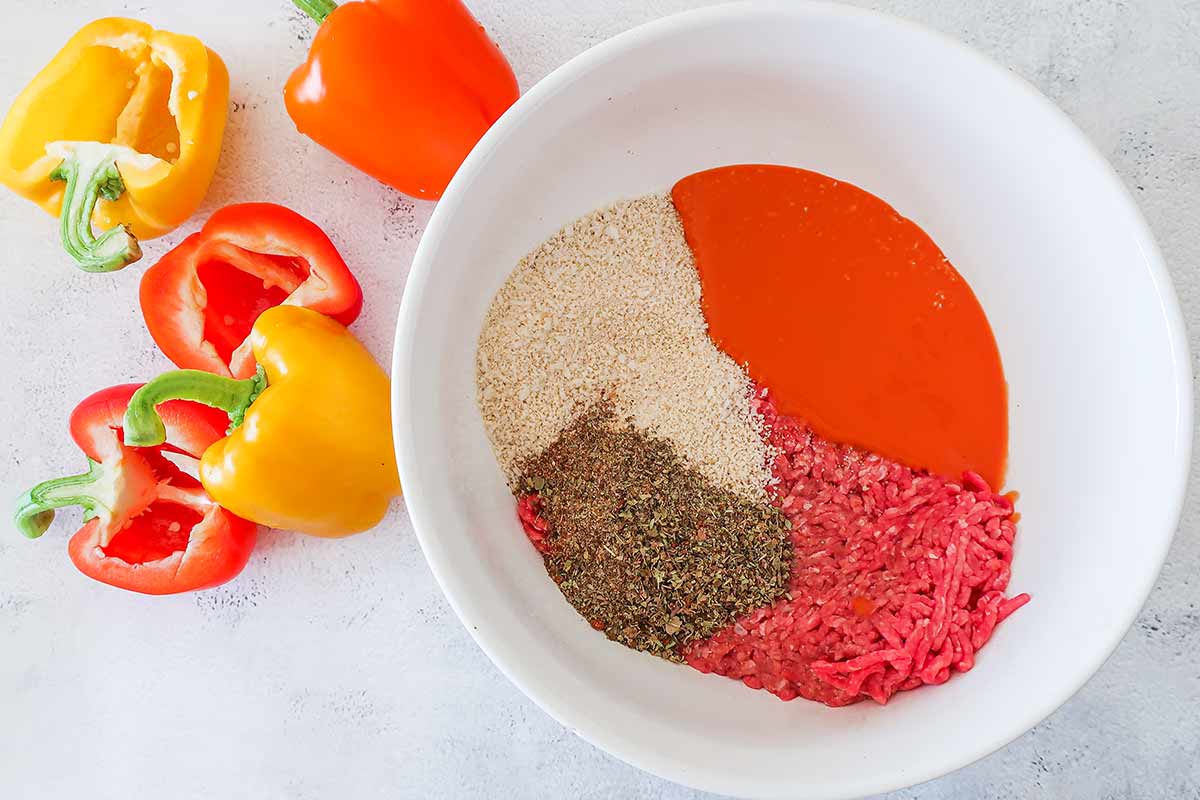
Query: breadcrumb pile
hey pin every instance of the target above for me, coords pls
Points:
(609, 307)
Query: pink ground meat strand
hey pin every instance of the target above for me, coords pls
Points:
(529, 511)
(898, 581)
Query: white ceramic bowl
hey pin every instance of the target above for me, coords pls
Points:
(1081, 305)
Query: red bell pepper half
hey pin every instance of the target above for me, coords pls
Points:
(149, 525)
(201, 299)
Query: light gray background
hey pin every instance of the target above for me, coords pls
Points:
(336, 668)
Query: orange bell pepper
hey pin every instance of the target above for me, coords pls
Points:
(401, 89)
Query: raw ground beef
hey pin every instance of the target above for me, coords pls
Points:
(529, 511)
(898, 581)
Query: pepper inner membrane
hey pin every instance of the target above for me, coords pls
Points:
(165, 527)
(236, 298)
(109, 97)
(155, 535)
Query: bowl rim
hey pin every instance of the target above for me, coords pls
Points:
(424, 519)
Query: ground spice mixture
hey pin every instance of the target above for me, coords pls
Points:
(645, 548)
(612, 303)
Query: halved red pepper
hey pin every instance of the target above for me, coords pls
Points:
(201, 299)
(149, 525)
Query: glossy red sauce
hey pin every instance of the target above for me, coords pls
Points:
(849, 314)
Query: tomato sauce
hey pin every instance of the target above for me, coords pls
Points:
(849, 314)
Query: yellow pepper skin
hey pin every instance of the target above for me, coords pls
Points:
(311, 449)
(156, 101)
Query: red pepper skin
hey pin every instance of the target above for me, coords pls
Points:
(201, 299)
(165, 534)
(191, 427)
(401, 89)
(218, 548)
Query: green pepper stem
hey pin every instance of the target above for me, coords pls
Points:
(144, 427)
(317, 9)
(90, 171)
(35, 509)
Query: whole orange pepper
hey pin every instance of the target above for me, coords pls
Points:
(401, 89)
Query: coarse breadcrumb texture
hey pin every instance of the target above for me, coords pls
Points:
(610, 305)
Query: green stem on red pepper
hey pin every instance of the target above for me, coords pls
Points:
(317, 9)
(144, 427)
(35, 509)
(90, 172)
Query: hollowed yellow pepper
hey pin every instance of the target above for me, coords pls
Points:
(122, 130)
(311, 442)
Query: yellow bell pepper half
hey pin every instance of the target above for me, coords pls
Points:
(122, 130)
(311, 444)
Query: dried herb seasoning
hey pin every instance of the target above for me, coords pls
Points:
(643, 546)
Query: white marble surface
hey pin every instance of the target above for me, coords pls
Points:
(336, 669)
